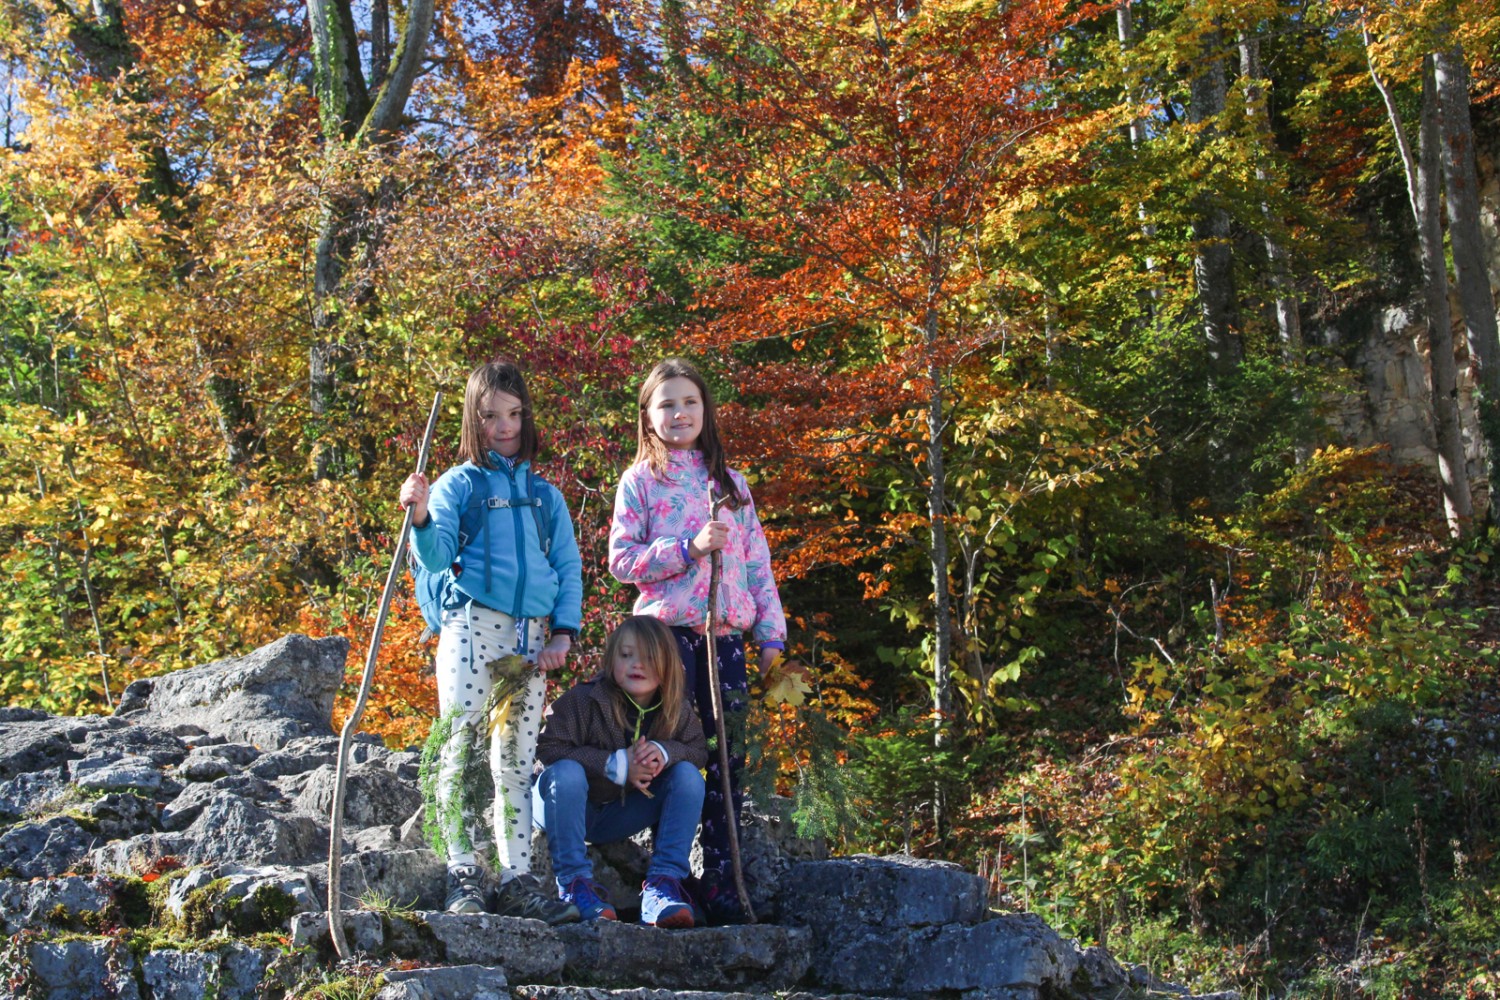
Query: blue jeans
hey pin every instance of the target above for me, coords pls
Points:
(561, 806)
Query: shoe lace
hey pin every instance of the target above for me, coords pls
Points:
(669, 886)
(585, 890)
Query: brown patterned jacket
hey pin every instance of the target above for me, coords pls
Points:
(581, 726)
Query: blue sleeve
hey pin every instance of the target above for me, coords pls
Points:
(567, 611)
(436, 543)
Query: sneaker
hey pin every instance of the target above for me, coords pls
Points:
(465, 889)
(664, 902)
(522, 896)
(590, 899)
(721, 904)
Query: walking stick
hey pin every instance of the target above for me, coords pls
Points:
(351, 724)
(715, 569)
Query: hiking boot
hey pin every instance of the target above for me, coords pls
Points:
(664, 902)
(465, 889)
(721, 904)
(590, 899)
(522, 896)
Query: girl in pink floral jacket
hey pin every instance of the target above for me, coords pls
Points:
(661, 540)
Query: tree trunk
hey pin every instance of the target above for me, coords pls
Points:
(1422, 191)
(1461, 181)
(1136, 130)
(351, 114)
(937, 503)
(1213, 262)
(1288, 315)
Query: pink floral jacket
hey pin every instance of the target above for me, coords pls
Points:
(648, 546)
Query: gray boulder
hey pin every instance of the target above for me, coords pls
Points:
(763, 955)
(116, 772)
(903, 926)
(119, 815)
(233, 828)
(405, 878)
(82, 969)
(179, 975)
(48, 847)
(453, 982)
(43, 902)
(268, 697)
(182, 811)
(373, 796)
(28, 793)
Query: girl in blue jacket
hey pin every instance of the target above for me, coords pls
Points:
(517, 588)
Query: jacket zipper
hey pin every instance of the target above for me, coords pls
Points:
(520, 526)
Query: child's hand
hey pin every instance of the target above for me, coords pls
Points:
(648, 755)
(414, 495)
(712, 537)
(555, 653)
(639, 776)
(768, 657)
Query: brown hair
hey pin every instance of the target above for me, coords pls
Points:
(497, 376)
(653, 450)
(657, 648)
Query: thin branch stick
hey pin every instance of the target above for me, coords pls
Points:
(732, 820)
(351, 724)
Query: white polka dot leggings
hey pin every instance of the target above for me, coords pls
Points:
(471, 638)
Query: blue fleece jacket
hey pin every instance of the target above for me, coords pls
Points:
(522, 582)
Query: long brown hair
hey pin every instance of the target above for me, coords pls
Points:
(656, 648)
(497, 376)
(653, 450)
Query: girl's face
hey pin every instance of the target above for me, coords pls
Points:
(500, 415)
(676, 413)
(633, 675)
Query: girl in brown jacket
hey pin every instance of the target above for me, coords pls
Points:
(623, 752)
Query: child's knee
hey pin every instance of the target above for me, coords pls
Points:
(563, 778)
(684, 779)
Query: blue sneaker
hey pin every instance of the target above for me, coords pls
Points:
(590, 898)
(664, 903)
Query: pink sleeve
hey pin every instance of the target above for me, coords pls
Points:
(634, 555)
(770, 620)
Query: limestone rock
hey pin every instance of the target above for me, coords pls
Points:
(373, 796)
(268, 697)
(410, 879)
(895, 891)
(119, 815)
(179, 975)
(40, 902)
(28, 794)
(116, 772)
(49, 847)
(528, 950)
(453, 982)
(83, 969)
(714, 958)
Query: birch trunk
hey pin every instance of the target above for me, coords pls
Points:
(1422, 191)
(1461, 181)
(1288, 312)
(1213, 262)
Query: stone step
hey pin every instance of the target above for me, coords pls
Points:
(446, 982)
(609, 952)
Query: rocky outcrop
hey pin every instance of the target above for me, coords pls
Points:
(267, 698)
(179, 849)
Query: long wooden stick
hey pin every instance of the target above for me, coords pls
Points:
(351, 724)
(715, 570)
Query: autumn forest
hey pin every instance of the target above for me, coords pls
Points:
(1056, 340)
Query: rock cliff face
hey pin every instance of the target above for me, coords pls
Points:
(179, 850)
(1389, 356)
